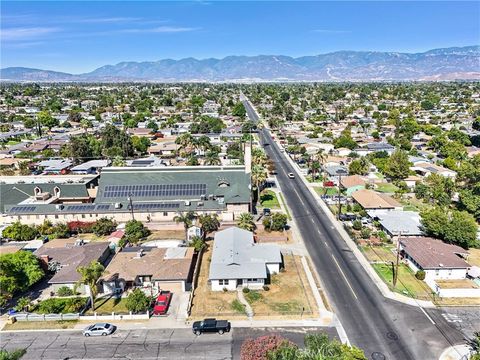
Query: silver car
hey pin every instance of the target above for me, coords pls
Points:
(102, 329)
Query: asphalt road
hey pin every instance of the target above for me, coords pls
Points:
(142, 343)
(383, 328)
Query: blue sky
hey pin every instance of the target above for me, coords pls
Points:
(80, 36)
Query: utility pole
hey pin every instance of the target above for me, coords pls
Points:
(131, 205)
(339, 173)
(395, 273)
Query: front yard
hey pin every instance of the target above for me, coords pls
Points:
(289, 295)
(105, 306)
(407, 283)
(268, 199)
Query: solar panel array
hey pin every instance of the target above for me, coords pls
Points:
(154, 190)
(156, 206)
(23, 209)
(80, 208)
(103, 207)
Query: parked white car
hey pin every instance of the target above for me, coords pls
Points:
(100, 329)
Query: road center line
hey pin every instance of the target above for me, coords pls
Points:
(343, 274)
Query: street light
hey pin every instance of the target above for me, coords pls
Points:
(131, 205)
(340, 172)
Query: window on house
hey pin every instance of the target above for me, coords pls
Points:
(252, 280)
(437, 272)
(83, 216)
(223, 282)
(165, 213)
(56, 216)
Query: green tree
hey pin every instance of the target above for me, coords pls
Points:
(275, 222)
(197, 243)
(46, 119)
(259, 176)
(104, 226)
(208, 224)
(398, 166)
(359, 167)
(137, 301)
(140, 144)
(16, 354)
(89, 277)
(239, 110)
(18, 271)
(135, 231)
(458, 227)
(245, 221)
(153, 126)
(20, 232)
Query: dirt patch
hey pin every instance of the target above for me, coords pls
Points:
(35, 325)
(474, 257)
(263, 236)
(457, 301)
(167, 234)
(457, 284)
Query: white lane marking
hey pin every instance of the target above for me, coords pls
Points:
(428, 316)
(343, 274)
(299, 198)
(452, 318)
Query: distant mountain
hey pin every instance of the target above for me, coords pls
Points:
(438, 64)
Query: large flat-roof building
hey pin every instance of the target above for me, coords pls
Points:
(151, 193)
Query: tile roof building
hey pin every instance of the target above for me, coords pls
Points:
(370, 200)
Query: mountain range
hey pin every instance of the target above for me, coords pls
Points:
(455, 63)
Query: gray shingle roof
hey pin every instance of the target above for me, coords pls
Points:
(236, 256)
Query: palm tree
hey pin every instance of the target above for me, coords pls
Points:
(211, 158)
(245, 221)
(202, 143)
(185, 141)
(208, 224)
(89, 276)
(259, 176)
(186, 219)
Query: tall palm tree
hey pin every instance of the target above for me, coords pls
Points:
(259, 176)
(89, 276)
(187, 220)
(202, 143)
(245, 221)
(185, 141)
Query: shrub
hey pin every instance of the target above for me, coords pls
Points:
(137, 301)
(246, 290)
(266, 287)
(225, 289)
(81, 227)
(20, 232)
(104, 226)
(420, 275)
(61, 231)
(12, 354)
(61, 306)
(258, 349)
(135, 230)
(64, 291)
(23, 303)
(275, 222)
(365, 233)
(357, 225)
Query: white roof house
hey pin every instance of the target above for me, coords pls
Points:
(238, 261)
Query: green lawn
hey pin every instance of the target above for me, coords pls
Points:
(407, 284)
(285, 206)
(326, 191)
(108, 305)
(268, 199)
(386, 188)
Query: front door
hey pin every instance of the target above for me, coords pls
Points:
(239, 282)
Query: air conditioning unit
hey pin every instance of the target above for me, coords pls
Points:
(187, 202)
(118, 205)
(59, 206)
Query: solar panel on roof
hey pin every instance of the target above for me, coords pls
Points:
(155, 190)
(147, 206)
(80, 207)
(23, 209)
(103, 207)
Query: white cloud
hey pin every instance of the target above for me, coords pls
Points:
(160, 29)
(25, 33)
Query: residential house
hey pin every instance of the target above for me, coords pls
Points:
(439, 260)
(90, 167)
(371, 200)
(398, 222)
(66, 256)
(425, 169)
(151, 268)
(238, 261)
(352, 183)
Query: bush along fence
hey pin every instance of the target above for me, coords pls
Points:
(196, 273)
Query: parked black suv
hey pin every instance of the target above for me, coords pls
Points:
(211, 325)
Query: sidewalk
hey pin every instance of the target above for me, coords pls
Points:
(457, 352)
(353, 247)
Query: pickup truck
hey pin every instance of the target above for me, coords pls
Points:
(211, 325)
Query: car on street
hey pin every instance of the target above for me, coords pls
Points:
(162, 303)
(347, 217)
(291, 176)
(211, 325)
(99, 329)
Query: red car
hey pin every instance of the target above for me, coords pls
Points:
(161, 304)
